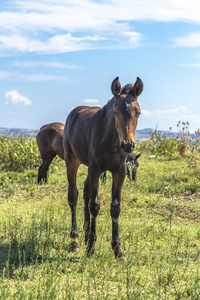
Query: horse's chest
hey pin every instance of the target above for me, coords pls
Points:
(110, 161)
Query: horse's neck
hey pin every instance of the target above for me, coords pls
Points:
(109, 129)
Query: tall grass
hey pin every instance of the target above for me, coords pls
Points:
(159, 231)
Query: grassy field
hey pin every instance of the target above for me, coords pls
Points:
(159, 231)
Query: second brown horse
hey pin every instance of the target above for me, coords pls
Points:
(50, 143)
(100, 138)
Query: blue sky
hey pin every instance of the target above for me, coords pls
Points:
(55, 55)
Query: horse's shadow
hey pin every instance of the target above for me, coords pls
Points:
(14, 255)
(18, 255)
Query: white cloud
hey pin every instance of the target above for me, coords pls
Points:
(48, 15)
(64, 43)
(16, 76)
(68, 43)
(172, 113)
(47, 64)
(190, 65)
(74, 25)
(14, 97)
(90, 15)
(163, 118)
(134, 38)
(191, 40)
(56, 44)
(90, 101)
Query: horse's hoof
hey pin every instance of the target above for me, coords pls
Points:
(117, 249)
(119, 255)
(74, 247)
(121, 258)
(90, 253)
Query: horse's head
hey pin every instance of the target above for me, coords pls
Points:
(126, 112)
(133, 164)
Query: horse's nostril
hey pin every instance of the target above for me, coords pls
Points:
(127, 146)
(122, 145)
(132, 145)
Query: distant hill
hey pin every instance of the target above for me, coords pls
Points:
(144, 134)
(18, 131)
(141, 134)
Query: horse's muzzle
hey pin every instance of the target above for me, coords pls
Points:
(127, 146)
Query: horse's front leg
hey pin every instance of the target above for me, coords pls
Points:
(72, 168)
(94, 206)
(118, 179)
(87, 196)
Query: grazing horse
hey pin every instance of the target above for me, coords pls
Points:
(50, 143)
(133, 160)
(100, 138)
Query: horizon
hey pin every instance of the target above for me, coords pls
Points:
(58, 56)
(142, 129)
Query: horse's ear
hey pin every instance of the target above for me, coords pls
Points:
(137, 156)
(116, 87)
(138, 88)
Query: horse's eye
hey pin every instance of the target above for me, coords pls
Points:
(138, 114)
(115, 114)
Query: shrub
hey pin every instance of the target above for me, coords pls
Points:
(183, 138)
(17, 154)
(195, 142)
(162, 144)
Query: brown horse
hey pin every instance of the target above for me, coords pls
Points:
(50, 143)
(100, 138)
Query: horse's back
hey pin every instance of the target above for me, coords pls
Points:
(54, 126)
(50, 138)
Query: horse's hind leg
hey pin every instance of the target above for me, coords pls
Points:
(72, 167)
(43, 169)
(40, 173)
(43, 172)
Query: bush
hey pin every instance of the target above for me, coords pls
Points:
(17, 154)
(161, 144)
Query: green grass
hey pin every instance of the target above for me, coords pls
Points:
(159, 231)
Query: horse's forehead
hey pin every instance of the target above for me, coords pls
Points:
(126, 89)
(126, 101)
